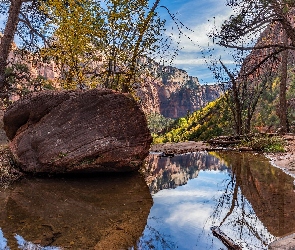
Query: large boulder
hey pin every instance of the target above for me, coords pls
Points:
(77, 131)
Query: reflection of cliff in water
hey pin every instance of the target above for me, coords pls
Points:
(269, 190)
(108, 212)
(166, 172)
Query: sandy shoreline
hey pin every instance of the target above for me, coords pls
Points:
(286, 160)
(180, 147)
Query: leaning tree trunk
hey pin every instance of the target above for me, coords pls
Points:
(7, 40)
(283, 87)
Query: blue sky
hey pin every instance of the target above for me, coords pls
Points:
(198, 16)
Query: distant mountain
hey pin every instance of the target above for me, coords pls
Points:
(175, 93)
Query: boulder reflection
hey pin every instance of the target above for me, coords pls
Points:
(107, 212)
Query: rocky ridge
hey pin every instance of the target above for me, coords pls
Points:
(175, 93)
(272, 36)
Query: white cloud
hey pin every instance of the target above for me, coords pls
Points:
(192, 61)
(201, 17)
(176, 194)
(191, 215)
(197, 61)
(198, 39)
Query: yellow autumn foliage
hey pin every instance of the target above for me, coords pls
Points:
(212, 120)
(102, 43)
(71, 46)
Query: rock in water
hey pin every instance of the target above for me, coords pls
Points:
(77, 131)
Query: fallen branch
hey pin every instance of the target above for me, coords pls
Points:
(222, 142)
(228, 242)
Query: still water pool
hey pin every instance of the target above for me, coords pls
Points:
(174, 206)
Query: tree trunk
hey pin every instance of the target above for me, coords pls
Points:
(7, 39)
(283, 86)
(135, 51)
(234, 93)
(239, 118)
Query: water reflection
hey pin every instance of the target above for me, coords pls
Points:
(242, 194)
(74, 213)
(269, 190)
(166, 172)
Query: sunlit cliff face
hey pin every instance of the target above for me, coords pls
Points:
(175, 93)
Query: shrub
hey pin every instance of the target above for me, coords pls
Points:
(266, 143)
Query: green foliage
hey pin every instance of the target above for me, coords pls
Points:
(266, 143)
(47, 84)
(266, 114)
(212, 120)
(157, 122)
(22, 81)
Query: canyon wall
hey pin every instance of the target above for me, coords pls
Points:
(175, 93)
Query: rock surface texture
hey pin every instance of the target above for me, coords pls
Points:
(77, 131)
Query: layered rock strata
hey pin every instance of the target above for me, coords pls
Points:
(77, 131)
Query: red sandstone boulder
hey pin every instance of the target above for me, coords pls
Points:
(77, 131)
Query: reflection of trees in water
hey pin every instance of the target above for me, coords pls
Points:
(251, 180)
(269, 190)
(256, 203)
(240, 221)
(153, 239)
(165, 172)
